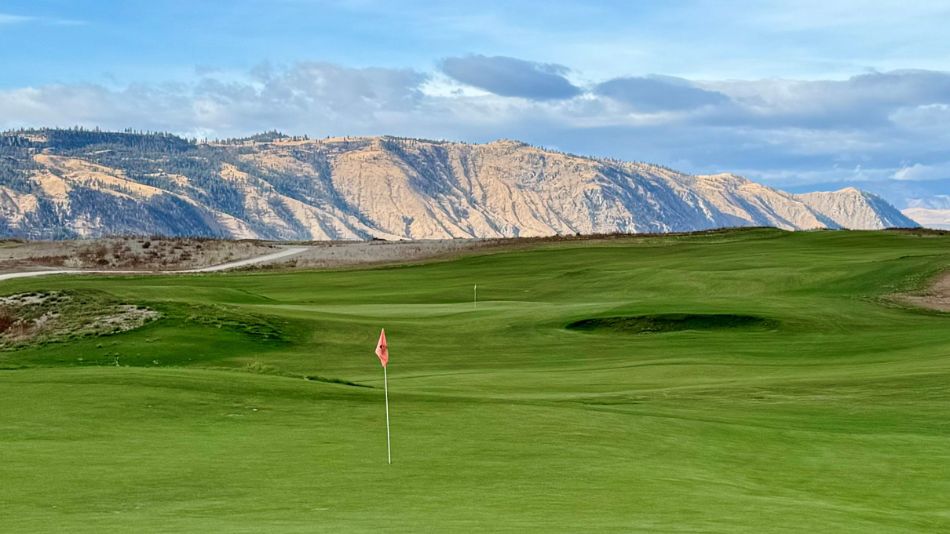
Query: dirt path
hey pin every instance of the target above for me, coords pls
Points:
(285, 253)
(936, 297)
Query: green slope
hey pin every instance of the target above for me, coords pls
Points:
(824, 410)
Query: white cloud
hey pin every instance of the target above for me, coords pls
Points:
(918, 172)
(307, 97)
(937, 202)
(6, 18)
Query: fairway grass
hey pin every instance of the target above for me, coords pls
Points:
(824, 408)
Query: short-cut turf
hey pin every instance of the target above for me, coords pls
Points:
(828, 412)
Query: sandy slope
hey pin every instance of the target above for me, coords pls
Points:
(935, 297)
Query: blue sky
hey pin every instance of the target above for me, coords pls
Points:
(801, 95)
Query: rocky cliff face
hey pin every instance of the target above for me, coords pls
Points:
(65, 184)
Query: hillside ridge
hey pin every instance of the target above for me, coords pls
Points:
(58, 184)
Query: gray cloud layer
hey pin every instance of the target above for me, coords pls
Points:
(875, 128)
(659, 93)
(506, 76)
(861, 101)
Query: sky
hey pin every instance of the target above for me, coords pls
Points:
(806, 95)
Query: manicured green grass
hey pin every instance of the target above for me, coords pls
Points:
(828, 412)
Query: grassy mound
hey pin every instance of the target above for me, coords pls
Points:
(55, 316)
(671, 322)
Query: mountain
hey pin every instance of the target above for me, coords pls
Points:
(78, 183)
(932, 212)
(853, 208)
(930, 217)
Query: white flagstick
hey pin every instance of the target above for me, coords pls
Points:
(476, 297)
(389, 452)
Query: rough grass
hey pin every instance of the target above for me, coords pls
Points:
(834, 420)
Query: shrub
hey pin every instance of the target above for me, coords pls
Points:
(6, 321)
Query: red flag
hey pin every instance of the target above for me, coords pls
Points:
(382, 351)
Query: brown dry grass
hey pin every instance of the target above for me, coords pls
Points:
(147, 254)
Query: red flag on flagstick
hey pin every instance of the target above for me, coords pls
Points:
(382, 351)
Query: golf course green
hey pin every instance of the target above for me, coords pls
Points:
(735, 381)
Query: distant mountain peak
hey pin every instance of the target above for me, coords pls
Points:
(930, 217)
(856, 209)
(851, 190)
